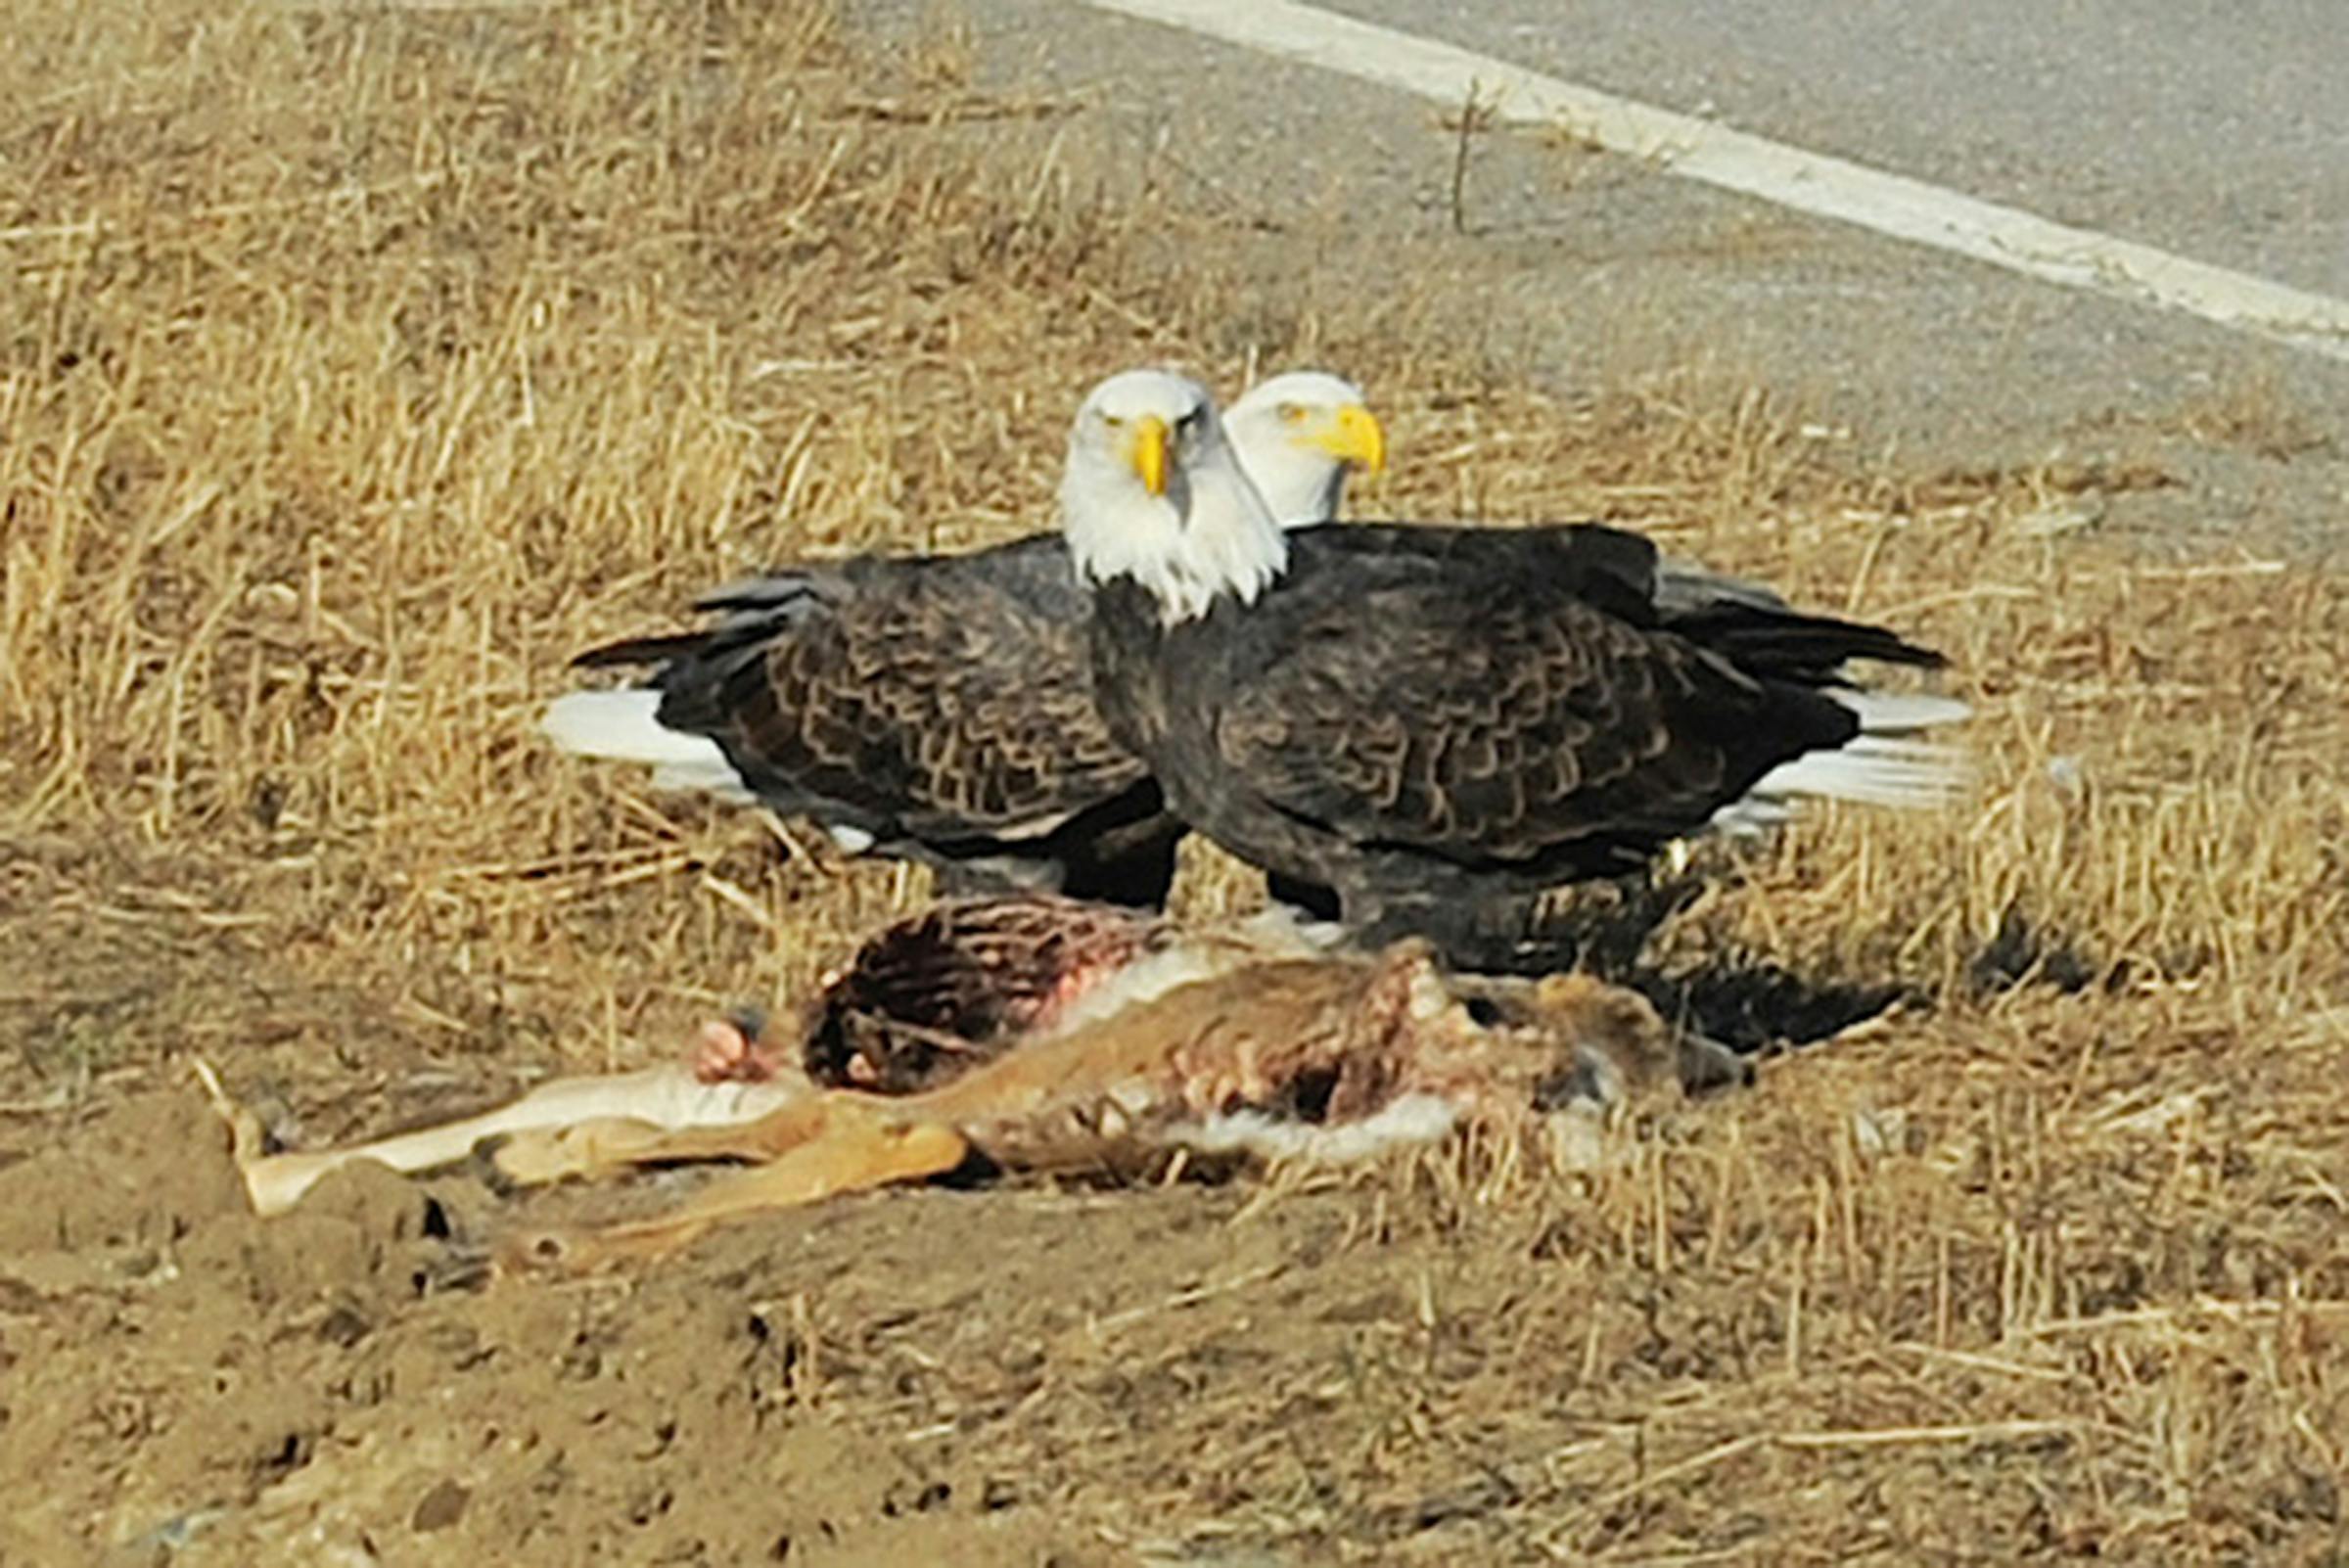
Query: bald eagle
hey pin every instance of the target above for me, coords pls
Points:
(940, 709)
(1439, 725)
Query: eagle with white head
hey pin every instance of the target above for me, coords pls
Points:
(1438, 724)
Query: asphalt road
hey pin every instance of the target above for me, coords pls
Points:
(2220, 133)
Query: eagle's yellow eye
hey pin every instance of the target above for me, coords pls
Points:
(1292, 412)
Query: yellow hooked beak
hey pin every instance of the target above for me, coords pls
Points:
(1352, 436)
(1146, 452)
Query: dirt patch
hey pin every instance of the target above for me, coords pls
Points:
(191, 1384)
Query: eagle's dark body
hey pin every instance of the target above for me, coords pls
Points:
(1438, 724)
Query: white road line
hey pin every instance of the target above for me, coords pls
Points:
(1753, 166)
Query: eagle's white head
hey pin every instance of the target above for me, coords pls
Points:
(1300, 436)
(1153, 492)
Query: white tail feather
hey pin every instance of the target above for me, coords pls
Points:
(623, 727)
(1894, 712)
(1879, 767)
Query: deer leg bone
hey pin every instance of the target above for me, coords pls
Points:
(541, 1156)
(850, 1148)
(666, 1098)
(538, 1155)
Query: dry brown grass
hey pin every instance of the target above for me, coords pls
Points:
(359, 369)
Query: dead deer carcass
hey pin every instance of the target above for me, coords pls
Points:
(1041, 1033)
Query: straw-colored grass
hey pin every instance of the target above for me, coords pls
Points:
(360, 367)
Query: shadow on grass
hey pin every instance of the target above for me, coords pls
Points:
(1752, 1004)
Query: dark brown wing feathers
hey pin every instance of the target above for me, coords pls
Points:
(943, 699)
(954, 713)
(1553, 726)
